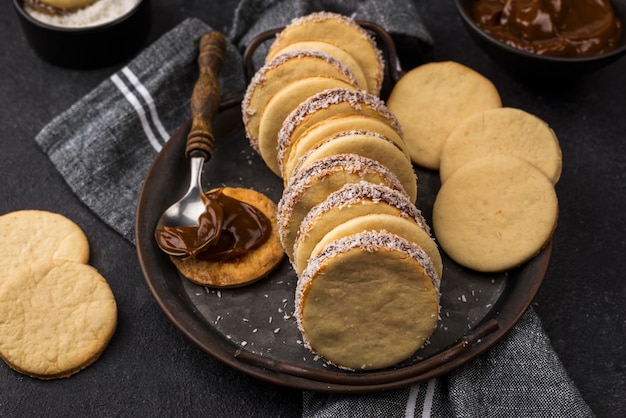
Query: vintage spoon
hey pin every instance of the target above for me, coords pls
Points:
(205, 101)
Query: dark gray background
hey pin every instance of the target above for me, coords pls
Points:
(149, 368)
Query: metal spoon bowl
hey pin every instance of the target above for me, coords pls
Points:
(205, 101)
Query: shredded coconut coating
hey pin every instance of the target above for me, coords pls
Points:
(341, 135)
(370, 241)
(261, 77)
(324, 100)
(355, 193)
(320, 169)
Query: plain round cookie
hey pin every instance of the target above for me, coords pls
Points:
(503, 130)
(342, 32)
(250, 267)
(56, 318)
(367, 301)
(29, 235)
(432, 99)
(495, 213)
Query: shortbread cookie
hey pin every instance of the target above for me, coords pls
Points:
(58, 7)
(282, 104)
(68, 4)
(403, 226)
(494, 213)
(316, 181)
(342, 32)
(29, 235)
(370, 145)
(333, 51)
(325, 105)
(351, 201)
(367, 301)
(432, 99)
(56, 318)
(252, 266)
(503, 131)
(333, 126)
(276, 74)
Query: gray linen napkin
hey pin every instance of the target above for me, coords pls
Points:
(521, 376)
(105, 143)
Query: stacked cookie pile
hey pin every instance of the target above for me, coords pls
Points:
(368, 270)
(57, 313)
(497, 206)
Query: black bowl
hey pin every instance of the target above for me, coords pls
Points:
(536, 66)
(87, 47)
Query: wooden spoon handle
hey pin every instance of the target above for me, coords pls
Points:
(205, 99)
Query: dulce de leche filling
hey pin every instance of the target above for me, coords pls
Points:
(562, 28)
(231, 228)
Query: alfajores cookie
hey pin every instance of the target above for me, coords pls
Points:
(502, 130)
(255, 264)
(370, 145)
(340, 31)
(316, 181)
(282, 104)
(367, 301)
(353, 201)
(329, 49)
(325, 105)
(403, 226)
(327, 128)
(279, 72)
(432, 99)
(56, 318)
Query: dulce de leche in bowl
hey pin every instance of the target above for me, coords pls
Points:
(547, 39)
(562, 28)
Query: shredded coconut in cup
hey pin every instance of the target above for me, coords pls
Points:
(102, 11)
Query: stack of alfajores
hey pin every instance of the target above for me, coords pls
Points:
(368, 269)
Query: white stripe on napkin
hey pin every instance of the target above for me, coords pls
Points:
(428, 399)
(409, 411)
(139, 109)
(149, 101)
(411, 402)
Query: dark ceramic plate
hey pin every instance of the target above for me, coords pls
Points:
(252, 328)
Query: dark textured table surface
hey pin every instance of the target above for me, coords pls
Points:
(150, 369)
